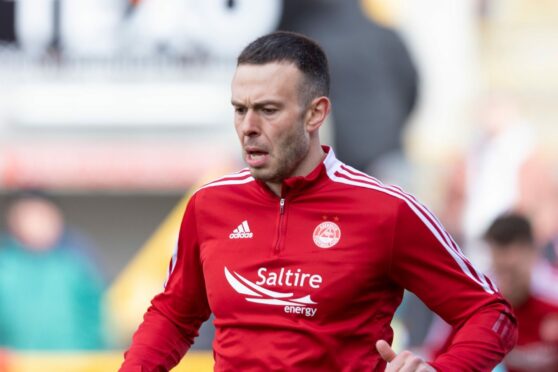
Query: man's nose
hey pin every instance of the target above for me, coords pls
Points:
(251, 124)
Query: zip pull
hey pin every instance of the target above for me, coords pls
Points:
(281, 205)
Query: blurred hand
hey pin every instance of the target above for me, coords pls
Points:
(404, 362)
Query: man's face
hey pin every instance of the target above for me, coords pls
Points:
(36, 223)
(512, 268)
(270, 120)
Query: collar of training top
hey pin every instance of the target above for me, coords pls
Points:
(299, 183)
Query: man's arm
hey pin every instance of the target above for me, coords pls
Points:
(172, 321)
(427, 262)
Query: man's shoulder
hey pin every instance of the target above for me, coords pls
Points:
(226, 182)
(364, 186)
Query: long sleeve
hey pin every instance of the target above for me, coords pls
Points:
(172, 321)
(427, 261)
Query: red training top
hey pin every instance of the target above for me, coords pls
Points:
(309, 281)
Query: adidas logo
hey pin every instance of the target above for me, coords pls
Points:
(242, 232)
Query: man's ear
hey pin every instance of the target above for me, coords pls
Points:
(317, 113)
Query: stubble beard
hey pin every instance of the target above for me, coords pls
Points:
(289, 153)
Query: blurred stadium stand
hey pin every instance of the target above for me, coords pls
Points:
(120, 134)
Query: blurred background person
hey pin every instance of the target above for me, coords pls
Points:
(514, 256)
(374, 83)
(50, 294)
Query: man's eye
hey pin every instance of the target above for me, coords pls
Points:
(269, 111)
(240, 110)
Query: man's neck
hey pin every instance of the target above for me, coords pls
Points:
(315, 156)
(275, 187)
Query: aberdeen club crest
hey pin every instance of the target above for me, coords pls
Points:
(327, 234)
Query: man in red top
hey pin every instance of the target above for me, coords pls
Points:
(302, 259)
(514, 256)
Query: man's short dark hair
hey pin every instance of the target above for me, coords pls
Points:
(508, 229)
(291, 47)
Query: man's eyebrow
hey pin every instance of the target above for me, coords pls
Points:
(257, 104)
(267, 102)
